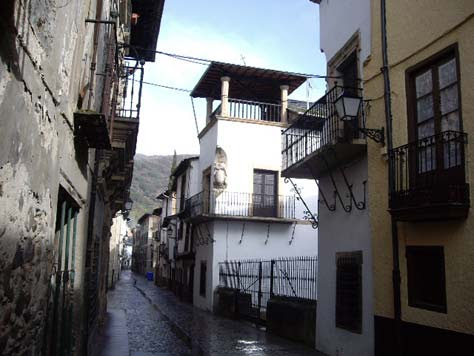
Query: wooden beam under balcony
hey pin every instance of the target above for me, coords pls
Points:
(318, 163)
(92, 127)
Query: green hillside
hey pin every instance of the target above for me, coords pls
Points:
(150, 177)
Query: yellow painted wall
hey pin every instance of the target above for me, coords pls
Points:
(417, 30)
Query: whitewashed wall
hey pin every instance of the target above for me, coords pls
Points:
(204, 253)
(339, 20)
(344, 232)
(340, 231)
(249, 146)
(207, 154)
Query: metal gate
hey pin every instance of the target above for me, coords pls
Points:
(256, 281)
(58, 335)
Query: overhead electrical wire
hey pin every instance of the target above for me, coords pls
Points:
(205, 61)
(164, 86)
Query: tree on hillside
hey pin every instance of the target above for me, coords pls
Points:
(173, 167)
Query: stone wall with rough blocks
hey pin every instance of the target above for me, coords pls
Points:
(45, 55)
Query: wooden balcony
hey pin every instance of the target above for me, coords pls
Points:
(318, 140)
(91, 127)
(429, 181)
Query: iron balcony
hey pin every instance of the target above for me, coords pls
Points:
(318, 140)
(251, 110)
(233, 205)
(429, 181)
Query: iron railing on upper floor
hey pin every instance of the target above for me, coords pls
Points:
(130, 92)
(320, 126)
(251, 110)
(241, 204)
(430, 171)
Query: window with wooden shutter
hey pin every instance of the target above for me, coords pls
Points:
(349, 291)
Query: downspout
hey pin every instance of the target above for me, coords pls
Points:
(396, 279)
(90, 238)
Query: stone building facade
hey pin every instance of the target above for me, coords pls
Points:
(66, 159)
(143, 246)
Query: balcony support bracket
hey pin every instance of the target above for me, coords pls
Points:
(377, 135)
(242, 235)
(268, 234)
(308, 215)
(361, 204)
(347, 208)
(292, 235)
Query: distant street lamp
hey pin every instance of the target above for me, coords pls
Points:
(129, 205)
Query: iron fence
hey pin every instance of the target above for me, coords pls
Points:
(430, 171)
(294, 277)
(318, 127)
(241, 204)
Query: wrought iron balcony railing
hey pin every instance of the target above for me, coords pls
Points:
(241, 205)
(130, 93)
(252, 110)
(430, 173)
(320, 126)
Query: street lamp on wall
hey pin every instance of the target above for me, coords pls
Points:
(348, 108)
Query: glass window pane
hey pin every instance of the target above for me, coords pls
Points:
(257, 178)
(451, 153)
(450, 122)
(269, 178)
(449, 99)
(424, 107)
(424, 84)
(447, 73)
(269, 189)
(257, 188)
(427, 158)
(269, 201)
(426, 129)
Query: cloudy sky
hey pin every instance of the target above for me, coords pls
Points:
(276, 34)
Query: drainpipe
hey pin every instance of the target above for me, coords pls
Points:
(396, 279)
(89, 243)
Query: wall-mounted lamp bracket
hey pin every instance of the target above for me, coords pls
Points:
(377, 135)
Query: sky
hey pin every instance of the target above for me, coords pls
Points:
(275, 34)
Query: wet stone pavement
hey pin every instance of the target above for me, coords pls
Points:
(158, 324)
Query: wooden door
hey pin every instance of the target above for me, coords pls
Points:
(265, 193)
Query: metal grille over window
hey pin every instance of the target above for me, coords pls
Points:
(59, 339)
(426, 278)
(349, 291)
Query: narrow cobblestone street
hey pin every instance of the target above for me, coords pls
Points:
(150, 321)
